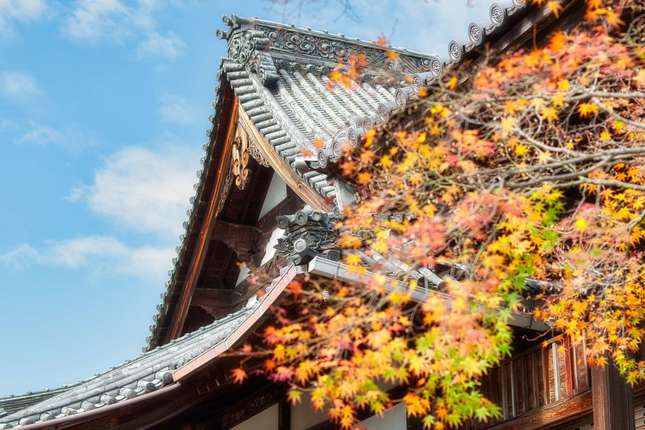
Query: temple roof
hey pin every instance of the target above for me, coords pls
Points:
(133, 378)
(146, 373)
(11, 404)
(279, 74)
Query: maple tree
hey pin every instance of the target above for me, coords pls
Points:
(523, 178)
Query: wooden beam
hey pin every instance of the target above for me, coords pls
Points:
(201, 247)
(282, 168)
(245, 240)
(558, 413)
(212, 297)
(216, 302)
(613, 400)
(200, 362)
(337, 270)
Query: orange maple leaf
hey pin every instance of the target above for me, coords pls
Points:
(239, 375)
(295, 287)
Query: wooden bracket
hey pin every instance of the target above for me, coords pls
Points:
(281, 167)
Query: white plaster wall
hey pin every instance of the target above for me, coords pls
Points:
(277, 192)
(393, 419)
(269, 251)
(265, 420)
(303, 416)
(244, 272)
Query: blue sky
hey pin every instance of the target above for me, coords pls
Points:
(104, 106)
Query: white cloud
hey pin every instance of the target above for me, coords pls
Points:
(158, 45)
(19, 257)
(17, 85)
(114, 20)
(143, 190)
(41, 136)
(176, 110)
(19, 10)
(100, 254)
(92, 20)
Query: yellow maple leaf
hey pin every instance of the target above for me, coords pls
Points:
(452, 83)
(507, 126)
(555, 7)
(581, 224)
(558, 100)
(563, 85)
(386, 161)
(353, 259)
(549, 114)
(613, 19)
(369, 137)
(618, 126)
(587, 110)
(521, 150)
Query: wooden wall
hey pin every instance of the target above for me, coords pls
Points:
(540, 377)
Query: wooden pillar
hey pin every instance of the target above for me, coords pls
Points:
(613, 400)
(284, 417)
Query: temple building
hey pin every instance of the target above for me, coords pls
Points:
(263, 198)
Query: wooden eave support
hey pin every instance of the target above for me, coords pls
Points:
(245, 240)
(203, 360)
(205, 232)
(282, 168)
(547, 417)
(216, 302)
(613, 400)
(336, 270)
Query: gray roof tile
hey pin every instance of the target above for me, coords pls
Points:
(148, 372)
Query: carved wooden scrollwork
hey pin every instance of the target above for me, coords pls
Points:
(241, 158)
(257, 155)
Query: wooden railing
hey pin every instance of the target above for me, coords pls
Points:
(536, 378)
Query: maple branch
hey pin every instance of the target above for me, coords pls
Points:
(555, 178)
(636, 221)
(605, 182)
(619, 117)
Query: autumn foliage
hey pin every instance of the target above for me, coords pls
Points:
(521, 181)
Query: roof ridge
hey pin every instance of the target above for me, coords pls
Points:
(235, 21)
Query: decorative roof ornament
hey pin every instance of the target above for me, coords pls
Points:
(308, 49)
(496, 14)
(308, 233)
(240, 159)
(475, 34)
(455, 51)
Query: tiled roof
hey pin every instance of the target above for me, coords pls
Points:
(11, 404)
(144, 374)
(153, 369)
(279, 74)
